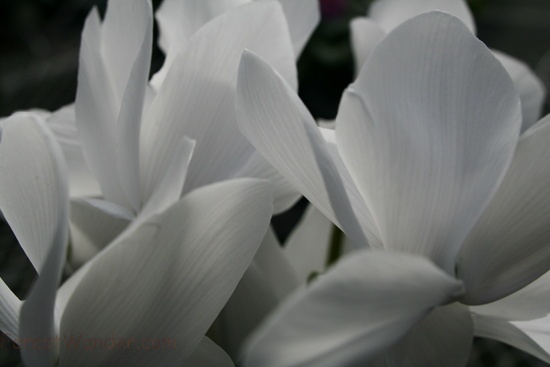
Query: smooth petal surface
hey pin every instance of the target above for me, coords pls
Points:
(427, 131)
(529, 336)
(279, 126)
(97, 110)
(391, 13)
(285, 195)
(365, 34)
(308, 244)
(178, 20)
(197, 99)
(129, 121)
(267, 281)
(208, 354)
(34, 199)
(443, 338)
(203, 245)
(509, 246)
(529, 86)
(526, 304)
(302, 17)
(94, 224)
(62, 123)
(367, 302)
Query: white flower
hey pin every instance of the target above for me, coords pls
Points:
(167, 280)
(426, 159)
(385, 15)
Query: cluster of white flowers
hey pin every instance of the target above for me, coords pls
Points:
(154, 195)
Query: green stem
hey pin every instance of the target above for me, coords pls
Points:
(336, 246)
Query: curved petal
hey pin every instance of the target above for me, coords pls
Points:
(267, 281)
(197, 99)
(509, 246)
(367, 302)
(526, 304)
(443, 338)
(365, 34)
(308, 244)
(389, 14)
(529, 336)
(170, 277)
(529, 86)
(427, 131)
(208, 354)
(62, 123)
(94, 224)
(96, 108)
(302, 17)
(10, 309)
(284, 193)
(178, 20)
(279, 126)
(34, 198)
(129, 121)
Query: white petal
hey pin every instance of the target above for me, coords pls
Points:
(63, 126)
(197, 99)
(208, 354)
(529, 86)
(34, 199)
(170, 277)
(268, 280)
(285, 194)
(443, 338)
(508, 247)
(529, 336)
(170, 186)
(391, 13)
(94, 224)
(302, 17)
(10, 308)
(97, 107)
(367, 302)
(528, 303)
(308, 244)
(427, 131)
(122, 38)
(129, 121)
(365, 34)
(279, 126)
(178, 20)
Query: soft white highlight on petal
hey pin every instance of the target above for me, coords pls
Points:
(509, 246)
(367, 302)
(389, 14)
(302, 17)
(427, 131)
(170, 277)
(10, 308)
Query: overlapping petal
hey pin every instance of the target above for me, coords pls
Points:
(508, 247)
(367, 302)
(427, 131)
(279, 126)
(365, 34)
(171, 276)
(34, 198)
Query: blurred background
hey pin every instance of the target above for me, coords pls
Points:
(39, 60)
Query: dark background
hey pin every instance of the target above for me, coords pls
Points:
(39, 41)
